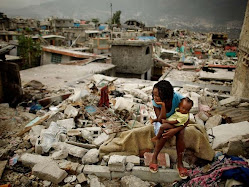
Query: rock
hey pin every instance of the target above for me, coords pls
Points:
(223, 133)
(91, 157)
(81, 178)
(70, 179)
(235, 147)
(35, 133)
(30, 160)
(67, 123)
(94, 182)
(46, 183)
(213, 122)
(198, 120)
(49, 171)
(191, 88)
(231, 101)
(133, 159)
(132, 181)
(117, 163)
(203, 116)
(62, 154)
(71, 112)
(101, 139)
(70, 167)
(129, 166)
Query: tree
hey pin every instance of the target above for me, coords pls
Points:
(30, 51)
(95, 21)
(116, 17)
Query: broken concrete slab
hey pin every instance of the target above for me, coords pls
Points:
(91, 157)
(133, 159)
(100, 171)
(145, 174)
(231, 101)
(191, 88)
(71, 112)
(219, 74)
(61, 154)
(30, 160)
(223, 133)
(101, 139)
(67, 123)
(49, 171)
(133, 181)
(72, 150)
(117, 163)
(70, 167)
(213, 122)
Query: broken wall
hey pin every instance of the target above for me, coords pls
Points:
(241, 80)
(132, 57)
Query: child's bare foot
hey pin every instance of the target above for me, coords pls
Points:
(151, 120)
(154, 139)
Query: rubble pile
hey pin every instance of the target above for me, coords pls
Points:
(60, 144)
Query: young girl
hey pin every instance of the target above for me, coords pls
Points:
(165, 101)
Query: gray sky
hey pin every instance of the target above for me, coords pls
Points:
(20, 3)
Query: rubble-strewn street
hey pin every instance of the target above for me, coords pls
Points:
(76, 104)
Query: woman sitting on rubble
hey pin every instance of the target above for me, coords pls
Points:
(169, 100)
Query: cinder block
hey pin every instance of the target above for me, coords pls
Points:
(163, 175)
(117, 163)
(133, 159)
(49, 171)
(30, 160)
(99, 171)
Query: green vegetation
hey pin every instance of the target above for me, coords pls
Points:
(30, 51)
(116, 17)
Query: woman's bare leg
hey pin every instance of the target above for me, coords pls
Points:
(159, 145)
(180, 147)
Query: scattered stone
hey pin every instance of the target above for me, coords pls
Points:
(76, 151)
(101, 139)
(70, 167)
(231, 101)
(223, 133)
(203, 116)
(46, 183)
(49, 171)
(100, 171)
(81, 178)
(70, 179)
(133, 159)
(94, 182)
(91, 157)
(191, 88)
(62, 154)
(235, 147)
(129, 166)
(117, 163)
(213, 122)
(71, 112)
(30, 160)
(133, 181)
(67, 123)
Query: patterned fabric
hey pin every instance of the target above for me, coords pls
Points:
(213, 176)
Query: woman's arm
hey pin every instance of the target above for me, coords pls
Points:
(160, 112)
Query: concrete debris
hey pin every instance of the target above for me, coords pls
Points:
(81, 178)
(101, 139)
(117, 163)
(133, 181)
(91, 157)
(49, 171)
(213, 122)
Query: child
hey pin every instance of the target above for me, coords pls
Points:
(179, 118)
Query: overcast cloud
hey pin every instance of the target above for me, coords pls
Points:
(20, 3)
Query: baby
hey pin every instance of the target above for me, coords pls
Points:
(180, 117)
